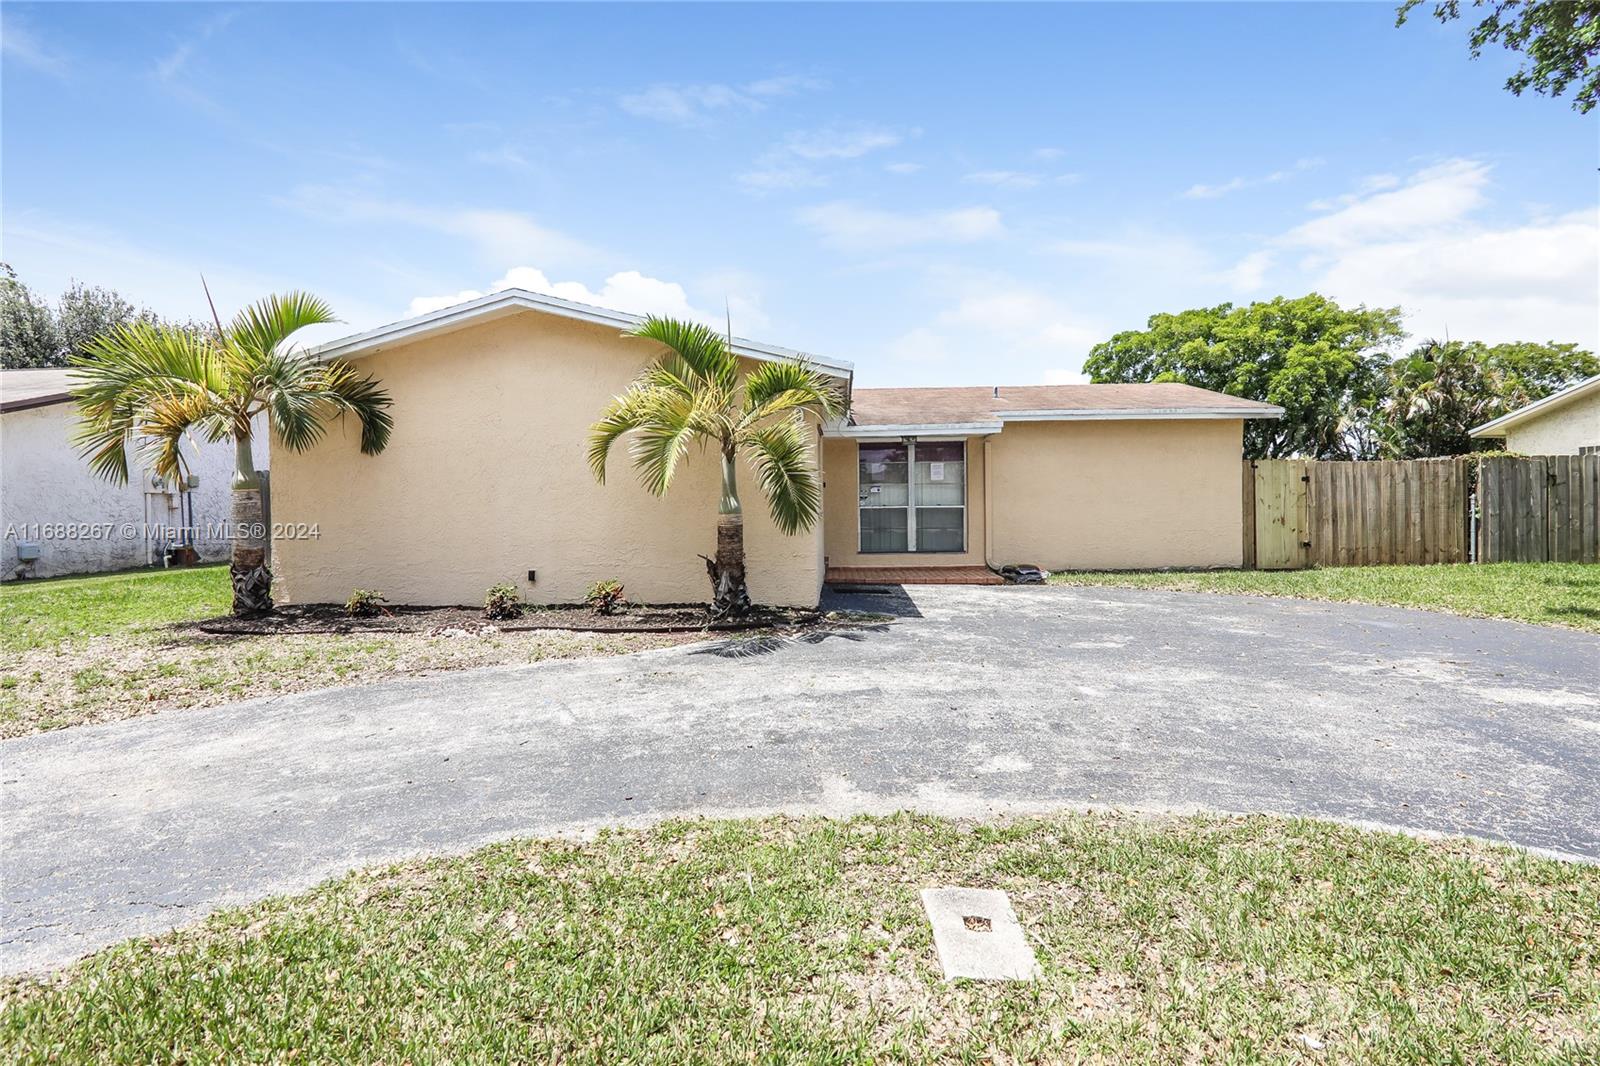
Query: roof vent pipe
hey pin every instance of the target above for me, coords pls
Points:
(997, 392)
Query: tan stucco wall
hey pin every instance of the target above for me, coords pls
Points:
(840, 471)
(1562, 431)
(1116, 494)
(485, 478)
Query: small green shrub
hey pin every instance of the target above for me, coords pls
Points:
(364, 603)
(502, 602)
(605, 597)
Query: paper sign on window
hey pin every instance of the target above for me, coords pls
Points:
(935, 471)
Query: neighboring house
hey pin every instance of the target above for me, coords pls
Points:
(1563, 423)
(58, 517)
(485, 478)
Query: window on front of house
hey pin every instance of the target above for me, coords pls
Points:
(913, 496)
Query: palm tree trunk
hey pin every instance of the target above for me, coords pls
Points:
(730, 598)
(252, 581)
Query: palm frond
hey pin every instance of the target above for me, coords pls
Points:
(121, 375)
(625, 413)
(786, 471)
(167, 420)
(701, 348)
(350, 392)
(775, 388)
(266, 325)
(670, 424)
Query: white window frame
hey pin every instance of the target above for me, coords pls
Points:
(911, 494)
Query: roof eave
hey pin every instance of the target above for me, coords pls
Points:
(914, 429)
(31, 402)
(509, 301)
(1140, 413)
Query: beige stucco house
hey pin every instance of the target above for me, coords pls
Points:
(1563, 423)
(485, 478)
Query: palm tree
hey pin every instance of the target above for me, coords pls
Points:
(163, 384)
(695, 393)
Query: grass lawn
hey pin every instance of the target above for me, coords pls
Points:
(1566, 594)
(90, 649)
(1177, 940)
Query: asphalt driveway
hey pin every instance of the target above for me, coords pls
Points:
(976, 700)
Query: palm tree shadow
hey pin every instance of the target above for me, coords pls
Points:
(771, 643)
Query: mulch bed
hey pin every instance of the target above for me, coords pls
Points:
(635, 618)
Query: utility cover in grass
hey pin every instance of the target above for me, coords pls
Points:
(977, 935)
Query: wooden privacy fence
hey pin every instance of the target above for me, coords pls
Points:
(1301, 512)
(1538, 509)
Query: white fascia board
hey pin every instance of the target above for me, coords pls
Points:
(1498, 427)
(509, 301)
(1139, 413)
(943, 429)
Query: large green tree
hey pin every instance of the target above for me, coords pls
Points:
(35, 334)
(1561, 39)
(1439, 390)
(1322, 363)
(697, 393)
(28, 335)
(153, 386)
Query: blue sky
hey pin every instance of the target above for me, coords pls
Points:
(944, 194)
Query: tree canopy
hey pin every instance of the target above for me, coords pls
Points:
(1344, 394)
(1318, 361)
(35, 334)
(1560, 38)
(1439, 390)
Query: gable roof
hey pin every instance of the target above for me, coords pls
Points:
(22, 389)
(986, 409)
(511, 301)
(1537, 409)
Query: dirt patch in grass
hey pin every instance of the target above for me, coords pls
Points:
(1174, 940)
(109, 678)
(97, 649)
(635, 618)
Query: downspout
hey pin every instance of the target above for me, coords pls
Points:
(988, 510)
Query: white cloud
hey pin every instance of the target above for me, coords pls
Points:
(1437, 196)
(1535, 281)
(692, 104)
(921, 345)
(50, 253)
(851, 227)
(785, 85)
(1049, 153)
(173, 64)
(1249, 274)
(626, 290)
(1002, 321)
(496, 234)
(1004, 179)
(1018, 179)
(902, 168)
(19, 44)
(839, 141)
(508, 156)
(1212, 192)
(1418, 244)
(791, 164)
(773, 174)
(1370, 183)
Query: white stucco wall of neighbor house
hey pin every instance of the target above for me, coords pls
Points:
(48, 495)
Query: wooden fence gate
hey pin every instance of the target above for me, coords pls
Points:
(1309, 513)
(1539, 509)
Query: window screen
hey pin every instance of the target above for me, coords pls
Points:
(913, 496)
